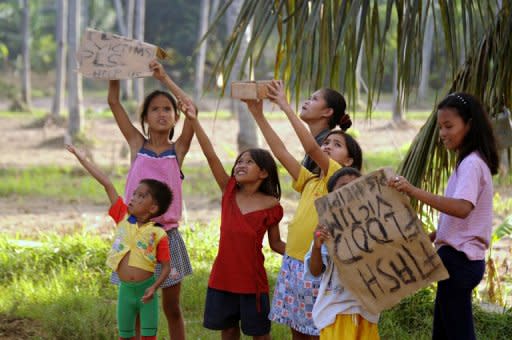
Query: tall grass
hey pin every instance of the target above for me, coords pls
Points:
(63, 285)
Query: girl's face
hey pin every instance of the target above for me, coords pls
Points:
(452, 128)
(335, 147)
(160, 115)
(315, 108)
(344, 180)
(246, 170)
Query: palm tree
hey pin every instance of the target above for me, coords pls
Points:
(60, 61)
(26, 88)
(320, 42)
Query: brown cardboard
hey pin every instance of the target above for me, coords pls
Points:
(379, 247)
(250, 89)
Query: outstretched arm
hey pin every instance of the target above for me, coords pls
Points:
(275, 143)
(96, 173)
(277, 94)
(220, 174)
(131, 134)
(185, 138)
(452, 206)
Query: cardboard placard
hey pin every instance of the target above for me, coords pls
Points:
(379, 247)
(249, 89)
(109, 56)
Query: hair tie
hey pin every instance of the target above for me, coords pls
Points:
(459, 98)
(345, 119)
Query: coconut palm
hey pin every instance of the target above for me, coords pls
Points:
(320, 42)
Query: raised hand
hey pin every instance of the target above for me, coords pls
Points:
(158, 70)
(188, 108)
(255, 106)
(78, 153)
(276, 94)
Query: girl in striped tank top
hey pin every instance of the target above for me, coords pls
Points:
(155, 155)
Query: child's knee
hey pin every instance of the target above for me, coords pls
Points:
(172, 310)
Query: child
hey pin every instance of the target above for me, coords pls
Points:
(293, 295)
(322, 112)
(238, 286)
(465, 222)
(138, 245)
(158, 157)
(337, 313)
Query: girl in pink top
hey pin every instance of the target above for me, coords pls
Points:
(158, 157)
(465, 223)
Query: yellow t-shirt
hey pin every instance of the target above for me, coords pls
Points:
(142, 242)
(300, 229)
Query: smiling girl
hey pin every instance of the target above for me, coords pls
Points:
(295, 294)
(465, 222)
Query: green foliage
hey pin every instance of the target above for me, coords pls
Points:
(63, 284)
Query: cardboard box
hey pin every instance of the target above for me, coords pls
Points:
(249, 89)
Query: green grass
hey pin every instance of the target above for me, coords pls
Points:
(63, 286)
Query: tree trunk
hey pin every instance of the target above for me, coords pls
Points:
(247, 136)
(398, 115)
(201, 56)
(119, 17)
(60, 60)
(140, 12)
(428, 45)
(74, 78)
(127, 85)
(26, 89)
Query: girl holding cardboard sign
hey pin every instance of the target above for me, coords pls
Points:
(465, 223)
(158, 157)
(337, 312)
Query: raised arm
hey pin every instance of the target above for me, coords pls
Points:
(274, 142)
(185, 138)
(220, 174)
(96, 173)
(277, 94)
(131, 134)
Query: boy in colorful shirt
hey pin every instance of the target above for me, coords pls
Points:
(138, 245)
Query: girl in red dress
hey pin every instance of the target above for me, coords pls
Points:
(237, 295)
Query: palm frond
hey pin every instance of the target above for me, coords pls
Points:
(487, 73)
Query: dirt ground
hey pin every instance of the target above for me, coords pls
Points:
(26, 143)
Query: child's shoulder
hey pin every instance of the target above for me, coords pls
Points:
(267, 201)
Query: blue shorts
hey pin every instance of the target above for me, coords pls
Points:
(224, 310)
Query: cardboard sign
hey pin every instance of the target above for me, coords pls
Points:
(109, 56)
(379, 247)
(249, 89)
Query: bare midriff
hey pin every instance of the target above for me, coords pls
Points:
(129, 273)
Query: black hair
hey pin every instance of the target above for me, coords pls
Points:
(346, 171)
(145, 106)
(353, 148)
(335, 101)
(161, 194)
(270, 185)
(480, 136)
